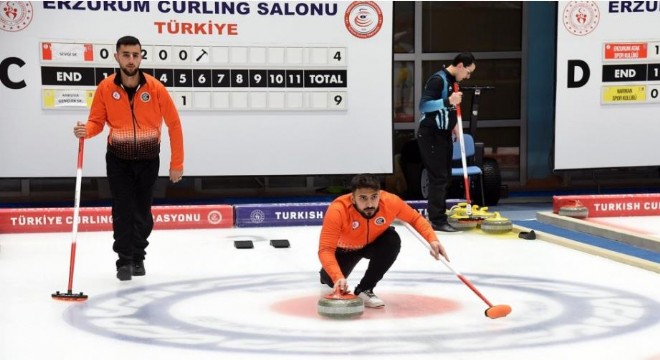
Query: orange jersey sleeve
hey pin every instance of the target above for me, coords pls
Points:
(331, 231)
(98, 114)
(174, 130)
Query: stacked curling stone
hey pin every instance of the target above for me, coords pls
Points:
(340, 306)
(463, 222)
(576, 210)
(459, 219)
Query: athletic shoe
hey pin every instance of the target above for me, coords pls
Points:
(138, 268)
(124, 272)
(370, 299)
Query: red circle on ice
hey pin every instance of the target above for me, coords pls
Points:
(397, 305)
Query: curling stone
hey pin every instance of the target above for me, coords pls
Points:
(461, 210)
(457, 209)
(496, 224)
(465, 217)
(577, 210)
(481, 212)
(340, 306)
(463, 222)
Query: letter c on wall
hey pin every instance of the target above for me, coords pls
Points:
(4, 73)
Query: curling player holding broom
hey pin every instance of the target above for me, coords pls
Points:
(133, 105)
(357, 226)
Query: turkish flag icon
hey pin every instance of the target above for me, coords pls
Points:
(46, 51)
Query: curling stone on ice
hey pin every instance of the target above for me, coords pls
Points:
(576, 210)
(338, 305)
(496, 224)
(460, 217)
(463, 222)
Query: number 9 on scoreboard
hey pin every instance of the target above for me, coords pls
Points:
(337, 100)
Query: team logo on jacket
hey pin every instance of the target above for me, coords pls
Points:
(115, 95)
(145, 97)
(355, 225)
(379, 220)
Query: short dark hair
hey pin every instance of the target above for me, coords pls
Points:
(465, 57)
(127, 40)
(362, 181)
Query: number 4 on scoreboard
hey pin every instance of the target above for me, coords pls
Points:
(338, 56)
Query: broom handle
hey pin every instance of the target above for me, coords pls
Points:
(446, 263)
(466, 181)
(76, 211)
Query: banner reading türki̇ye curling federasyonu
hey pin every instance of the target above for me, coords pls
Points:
(36, 220)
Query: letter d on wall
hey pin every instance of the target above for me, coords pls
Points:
(572, 82)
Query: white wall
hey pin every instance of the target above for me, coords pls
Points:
(258, 131)
(613, 118)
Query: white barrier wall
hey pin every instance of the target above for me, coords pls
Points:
(263, 88)
(608, 83)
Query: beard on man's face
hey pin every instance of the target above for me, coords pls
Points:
(368, 212)
(128, 72)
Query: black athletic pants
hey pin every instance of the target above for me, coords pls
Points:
(436, 148)
(381, 254)
(131, 185)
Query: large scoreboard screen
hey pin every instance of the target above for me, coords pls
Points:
(262, 88)
(607, 110)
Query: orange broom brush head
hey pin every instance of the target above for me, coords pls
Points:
(498, 311)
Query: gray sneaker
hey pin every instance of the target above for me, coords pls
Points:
(370, 299)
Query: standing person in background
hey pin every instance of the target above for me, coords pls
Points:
(134, 105)
(356, 226)
(434, 136)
